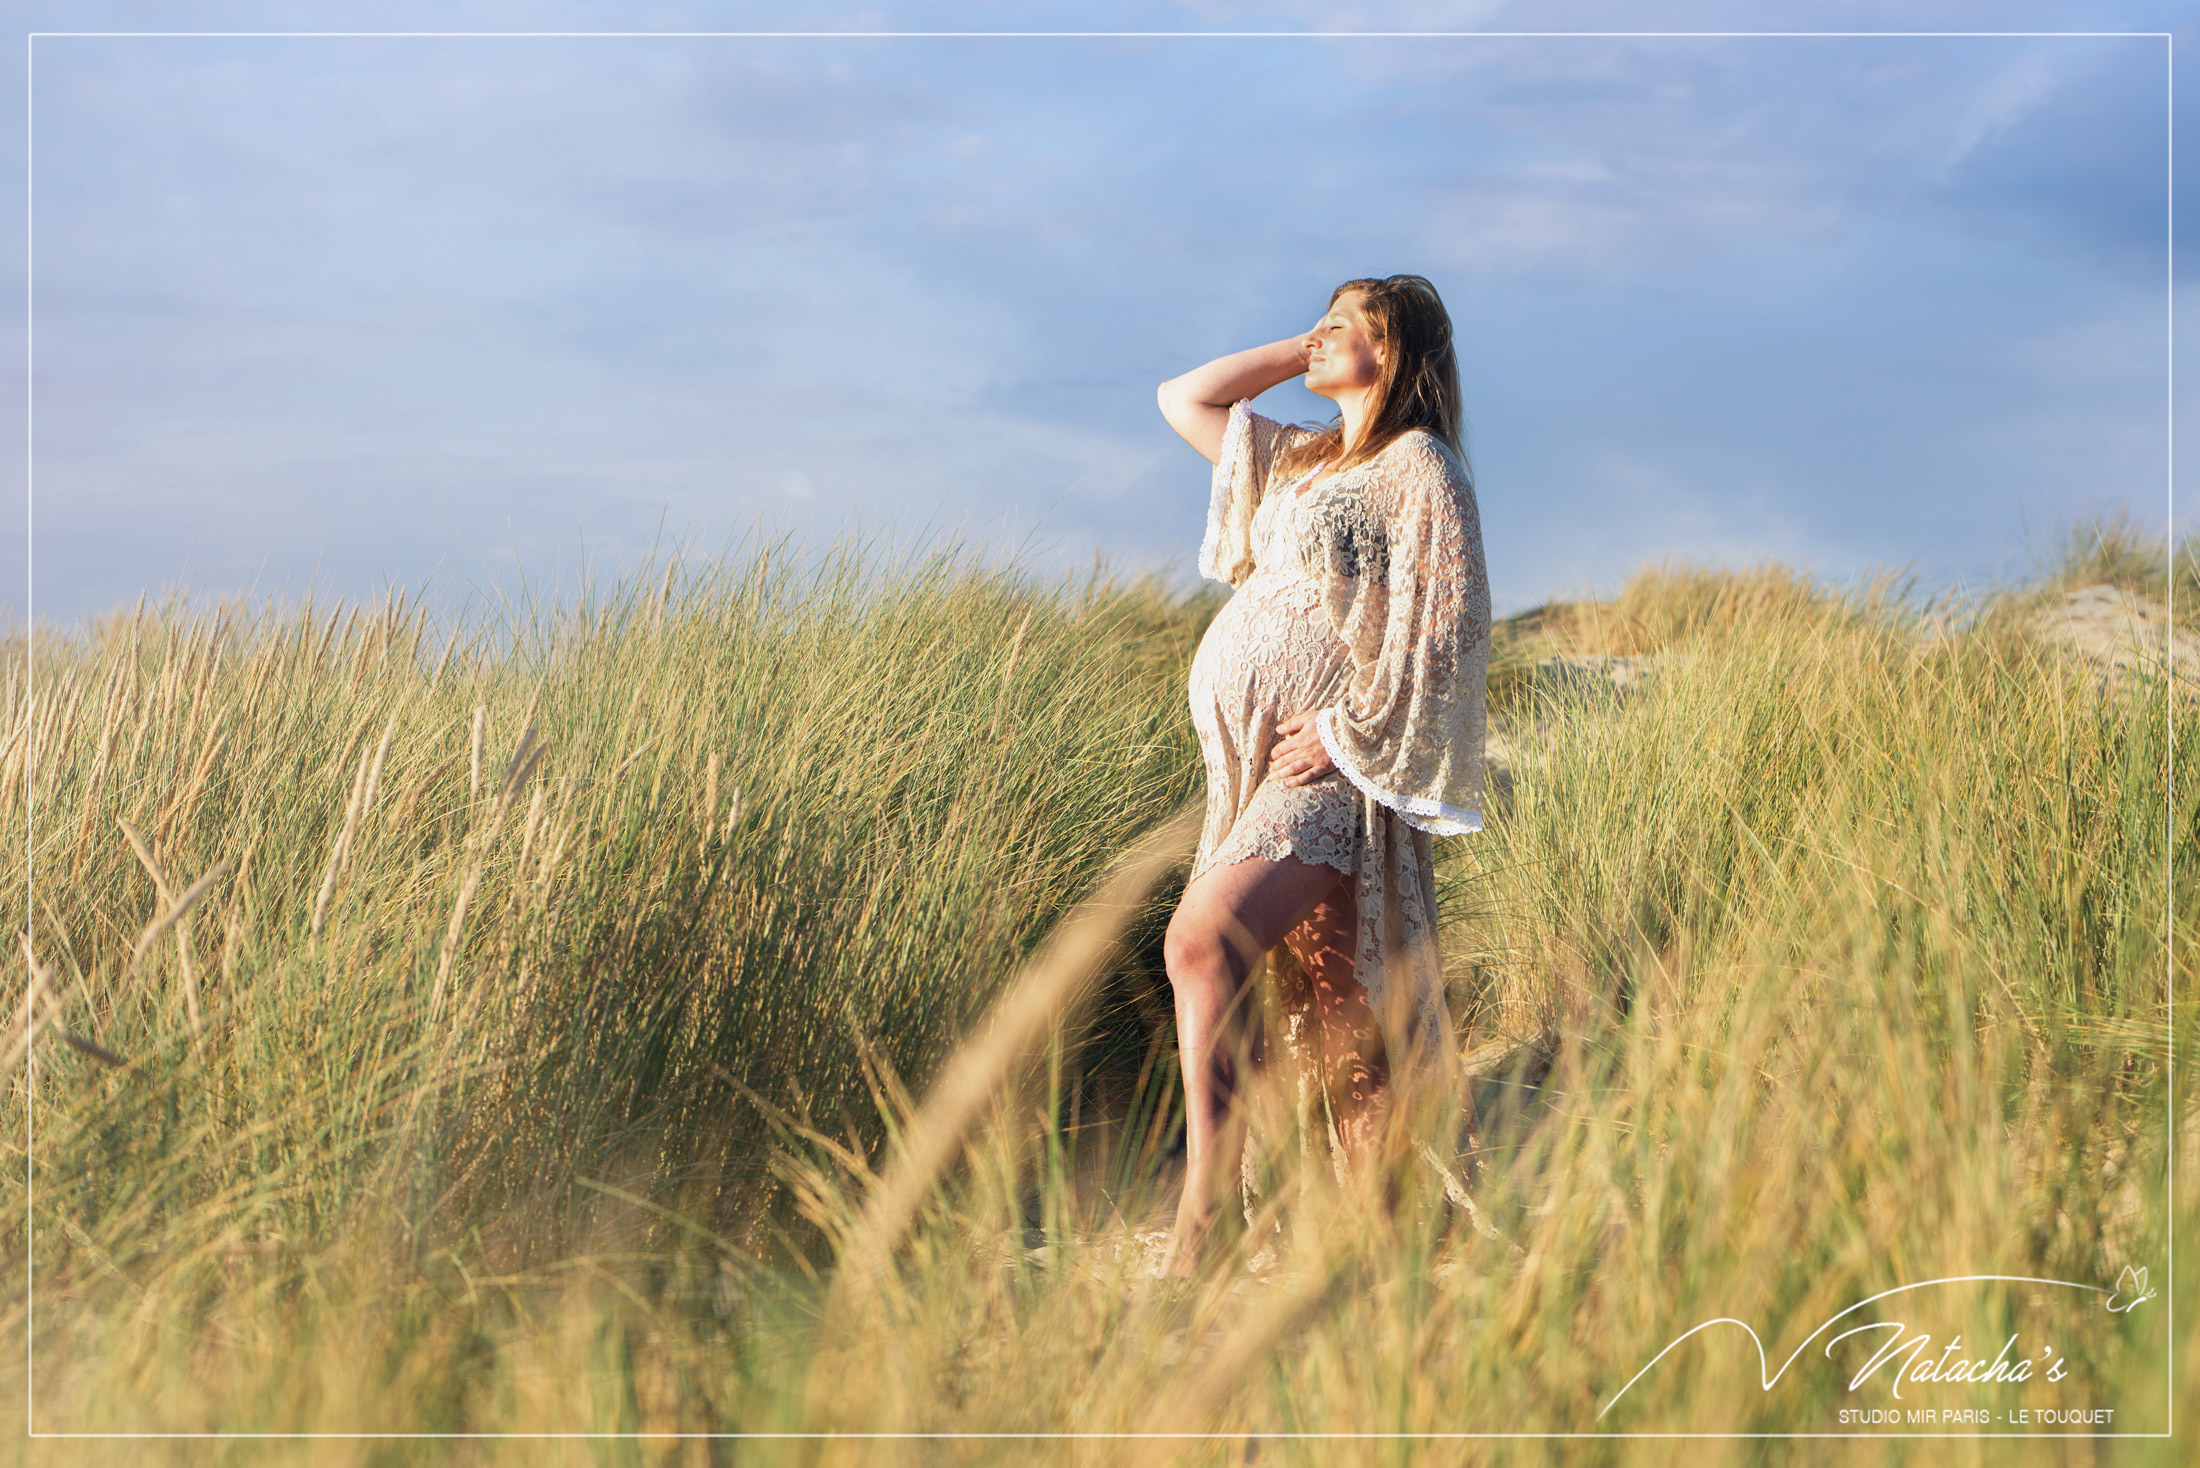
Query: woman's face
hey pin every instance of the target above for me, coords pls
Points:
(1342, 355)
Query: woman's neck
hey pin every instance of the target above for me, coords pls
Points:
(1352, 407)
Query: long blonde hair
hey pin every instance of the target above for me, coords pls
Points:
(1417, 387)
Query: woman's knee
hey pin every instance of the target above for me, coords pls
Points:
(1191, 950)
(1198, 953)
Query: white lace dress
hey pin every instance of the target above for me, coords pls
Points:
(1271, 653)
(1361, 595)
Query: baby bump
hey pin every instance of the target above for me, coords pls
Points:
(1264, 658)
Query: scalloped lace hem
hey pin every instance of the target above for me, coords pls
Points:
(1275, 848)
(1419, 812)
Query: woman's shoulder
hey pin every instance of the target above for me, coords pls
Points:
(1269, 432)
(1419, 452)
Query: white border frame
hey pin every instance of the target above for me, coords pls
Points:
(31, 40)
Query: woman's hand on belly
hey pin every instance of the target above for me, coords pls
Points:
(1298, 757)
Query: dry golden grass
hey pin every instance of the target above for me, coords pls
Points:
(551, 1002)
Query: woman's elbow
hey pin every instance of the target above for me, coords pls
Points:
(1175, 404)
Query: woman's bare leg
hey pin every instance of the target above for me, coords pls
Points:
(1229, 917)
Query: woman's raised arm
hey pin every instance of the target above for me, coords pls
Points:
(1197, 404)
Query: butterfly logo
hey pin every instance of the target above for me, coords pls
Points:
(2131, 1290)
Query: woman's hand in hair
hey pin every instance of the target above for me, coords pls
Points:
(1298, 757)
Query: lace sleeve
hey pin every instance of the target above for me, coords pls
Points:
(1409, 730)
(1250, 444)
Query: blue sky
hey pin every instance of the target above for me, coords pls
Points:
(444, 312)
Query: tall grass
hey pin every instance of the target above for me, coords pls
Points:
(536, 1101)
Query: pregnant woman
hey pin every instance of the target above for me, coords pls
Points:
(1340, 700)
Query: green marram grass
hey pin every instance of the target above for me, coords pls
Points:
(526, 1080)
